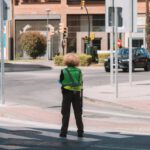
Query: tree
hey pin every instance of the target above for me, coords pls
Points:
(147, 25)
(34, 43)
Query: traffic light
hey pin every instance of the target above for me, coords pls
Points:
(85, 39)
(82, 3)
(65, 33)
(61, 27)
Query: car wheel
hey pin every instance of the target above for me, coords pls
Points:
(147, 67)
(133, 67)
(125, 69)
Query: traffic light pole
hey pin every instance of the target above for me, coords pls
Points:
(112, 47)
(88, 24)
(88, 51)
(88, 44)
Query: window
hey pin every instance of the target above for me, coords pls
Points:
(40, 1)
(98, 22)
(16, 2)
(31, 1)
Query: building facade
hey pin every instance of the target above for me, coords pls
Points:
(29, 15)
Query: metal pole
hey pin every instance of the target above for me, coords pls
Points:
(111, 58)
(130, 46)
(88, 23)
(2, 53)
(48, 49)
(116, 55)
(111, 49)
(130, 58)
(88, 44)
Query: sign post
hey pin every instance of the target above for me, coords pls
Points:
(118, 18)
(5, 14)
(119, 43)
(2, 100)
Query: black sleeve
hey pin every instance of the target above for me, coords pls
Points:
(61, 78)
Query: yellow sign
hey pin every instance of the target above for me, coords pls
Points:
(92, 35)
(82, 3)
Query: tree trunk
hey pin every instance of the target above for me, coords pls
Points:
(147, 25)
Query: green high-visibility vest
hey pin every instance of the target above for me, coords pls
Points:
(72, 79)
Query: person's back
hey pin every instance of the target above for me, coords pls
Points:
(71, 80)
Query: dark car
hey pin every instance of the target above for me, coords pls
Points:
(140, 59)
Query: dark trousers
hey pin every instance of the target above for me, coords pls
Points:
(74, 98)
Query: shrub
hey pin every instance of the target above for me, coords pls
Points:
(148, 42)
(58, 60)
(33, 43)
(85, 60)
(102, 56)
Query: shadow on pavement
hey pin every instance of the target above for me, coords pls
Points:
(25, 67)
(48, 139)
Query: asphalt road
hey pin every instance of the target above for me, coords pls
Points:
(41, 88)
(33, 138)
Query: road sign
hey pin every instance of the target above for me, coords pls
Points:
(92, 36)
(126, 15)
(119, 43)
(7, 9)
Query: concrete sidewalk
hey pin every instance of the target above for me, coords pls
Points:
(136, 96)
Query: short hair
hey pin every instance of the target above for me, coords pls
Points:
(71, 59)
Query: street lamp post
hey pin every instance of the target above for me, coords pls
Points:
(48, 42)
(89, 29)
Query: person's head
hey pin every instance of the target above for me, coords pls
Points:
(71, 59)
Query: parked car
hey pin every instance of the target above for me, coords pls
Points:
(140, 59)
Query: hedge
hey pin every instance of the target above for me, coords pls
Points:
(85, 60)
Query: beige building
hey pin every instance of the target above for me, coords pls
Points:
(36, 14)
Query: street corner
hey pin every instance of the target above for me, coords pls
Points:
(21, 66)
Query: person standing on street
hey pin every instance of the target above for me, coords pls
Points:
(72, 82)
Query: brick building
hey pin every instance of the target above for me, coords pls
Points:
(36, 14)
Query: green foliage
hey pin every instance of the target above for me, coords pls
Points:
(102, 56)
(58, 60)
(148, 42)
(85, 60)
(34, 43)
(148, 36)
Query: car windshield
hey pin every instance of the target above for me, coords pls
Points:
(124, 52)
